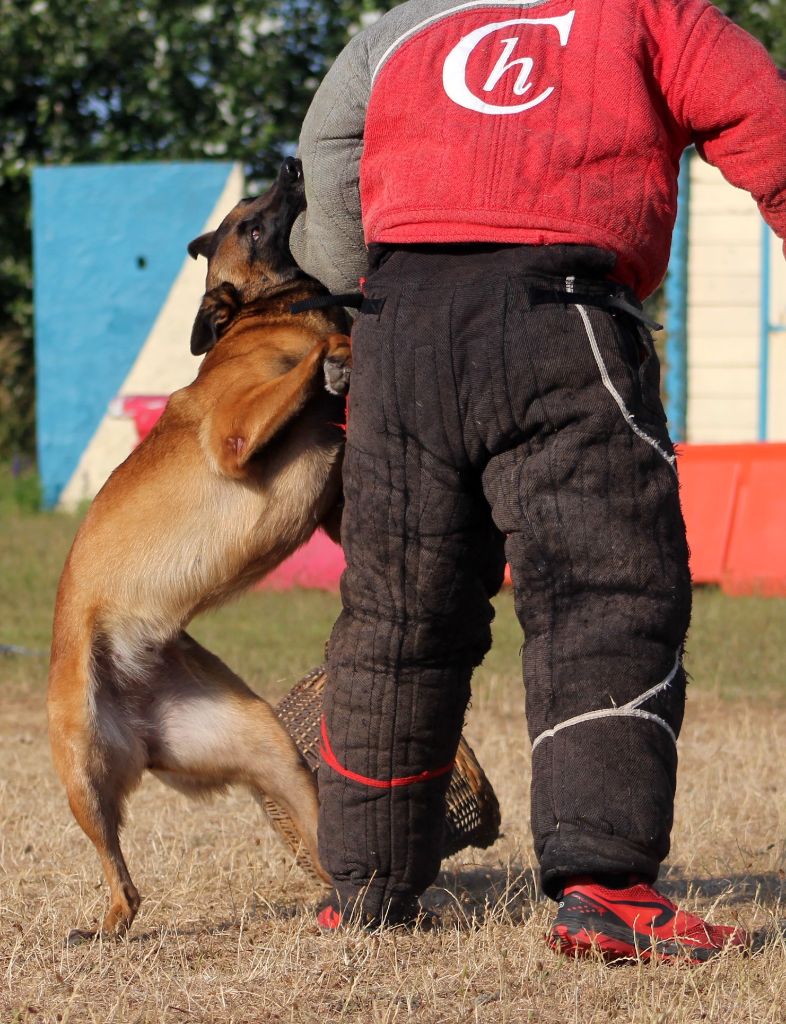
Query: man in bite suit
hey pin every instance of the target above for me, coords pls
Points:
(505, 174)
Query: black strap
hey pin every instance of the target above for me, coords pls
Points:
(352, 300)
(538, 297)
(611, 300)
(621, 303)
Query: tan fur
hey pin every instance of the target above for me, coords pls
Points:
(239, 471)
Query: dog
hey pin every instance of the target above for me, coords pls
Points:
(242, 467)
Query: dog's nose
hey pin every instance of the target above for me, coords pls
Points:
(292, 168)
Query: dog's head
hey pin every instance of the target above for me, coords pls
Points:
(248, 255)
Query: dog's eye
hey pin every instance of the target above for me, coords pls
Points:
(256, 234)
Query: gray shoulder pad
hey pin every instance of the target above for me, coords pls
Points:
(327, 240)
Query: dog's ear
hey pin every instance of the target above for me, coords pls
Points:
(216, 312)
(201, 246)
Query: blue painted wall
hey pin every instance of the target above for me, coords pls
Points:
(108, 243)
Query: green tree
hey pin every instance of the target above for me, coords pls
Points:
(116, 80)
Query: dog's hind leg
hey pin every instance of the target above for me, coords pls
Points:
(99, 763)
(211, 731)
(100, 815)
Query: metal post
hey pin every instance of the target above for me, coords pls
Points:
(677, 311)
(764, 332)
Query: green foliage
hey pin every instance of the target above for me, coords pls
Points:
(20, 489)
(123, 80)
(17, 381)
(140, 79)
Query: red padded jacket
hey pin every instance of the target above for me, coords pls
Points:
(541, 122)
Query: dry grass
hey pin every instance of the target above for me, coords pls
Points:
(226, 930)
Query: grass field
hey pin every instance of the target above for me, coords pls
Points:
(226, 931)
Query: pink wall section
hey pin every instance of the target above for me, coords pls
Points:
(316, 566)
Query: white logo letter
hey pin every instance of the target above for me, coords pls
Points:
(502, 65)
(454, 70)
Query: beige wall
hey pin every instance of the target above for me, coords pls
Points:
(777, 403)
(723, 315)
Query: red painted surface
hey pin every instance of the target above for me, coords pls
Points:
(733, 498)
(144, 410)
(709, 482)
(316, 566)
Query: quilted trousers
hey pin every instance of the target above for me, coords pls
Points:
(500, 409)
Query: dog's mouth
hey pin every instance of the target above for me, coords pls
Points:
(290, 181)
(290, 174)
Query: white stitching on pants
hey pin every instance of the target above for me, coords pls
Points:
(630, 710)
(627, 414)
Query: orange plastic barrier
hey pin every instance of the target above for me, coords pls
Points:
(734, 501)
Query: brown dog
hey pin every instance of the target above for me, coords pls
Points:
(241, 468)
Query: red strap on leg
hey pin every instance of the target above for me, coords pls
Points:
(406, 780)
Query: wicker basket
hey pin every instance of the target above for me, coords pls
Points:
(472, 819)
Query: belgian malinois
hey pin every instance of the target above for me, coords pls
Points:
(242, 467)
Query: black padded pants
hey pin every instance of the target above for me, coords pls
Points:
(492, 417)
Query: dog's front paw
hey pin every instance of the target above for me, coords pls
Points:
(337, 371)
(337, 363)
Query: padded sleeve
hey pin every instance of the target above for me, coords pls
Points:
(731, 98)
(327, 240)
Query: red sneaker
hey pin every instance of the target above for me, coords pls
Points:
(633, 923)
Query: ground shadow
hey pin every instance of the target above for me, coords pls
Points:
(259, 911)
(471, 895)
(768, 886)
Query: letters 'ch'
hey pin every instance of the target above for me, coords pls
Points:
(454, 70)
